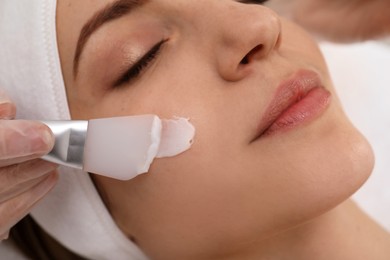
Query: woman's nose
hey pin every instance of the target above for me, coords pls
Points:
(249, 33)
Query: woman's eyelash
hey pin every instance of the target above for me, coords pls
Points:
(259, 2)
(140, 65)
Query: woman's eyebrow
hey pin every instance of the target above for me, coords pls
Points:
(111, 12)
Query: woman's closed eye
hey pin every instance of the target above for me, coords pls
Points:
(139, 66)
(146, 60)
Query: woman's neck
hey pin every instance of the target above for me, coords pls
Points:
(343, 233)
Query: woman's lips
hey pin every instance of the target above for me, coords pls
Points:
(298, 100)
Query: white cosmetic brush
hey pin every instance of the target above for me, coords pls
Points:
(118, 147)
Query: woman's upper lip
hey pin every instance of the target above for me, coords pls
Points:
(288, 93)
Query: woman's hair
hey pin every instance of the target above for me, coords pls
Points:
(35, 243)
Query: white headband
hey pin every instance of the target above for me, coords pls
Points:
(30, 73)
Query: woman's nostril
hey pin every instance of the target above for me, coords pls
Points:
(258, 48)
(251, 54)
(245, 60)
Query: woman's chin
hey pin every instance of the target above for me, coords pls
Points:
(331, 173)
(364, 165)
(349, 172)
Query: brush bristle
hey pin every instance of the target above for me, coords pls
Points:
(121, 147)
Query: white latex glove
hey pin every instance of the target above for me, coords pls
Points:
(338, 20)
(24, 179)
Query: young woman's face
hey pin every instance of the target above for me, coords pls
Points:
(232, 68)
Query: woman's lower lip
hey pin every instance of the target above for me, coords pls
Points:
(311, 106)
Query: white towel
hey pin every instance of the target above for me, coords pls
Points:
(30, 72)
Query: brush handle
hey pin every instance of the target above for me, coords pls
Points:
(70, 138)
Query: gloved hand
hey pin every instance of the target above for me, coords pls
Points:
(338, 20)
(24, 179)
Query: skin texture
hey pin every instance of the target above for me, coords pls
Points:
(339, 20)
(226, 197)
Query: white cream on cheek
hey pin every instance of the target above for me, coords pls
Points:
(176, 137)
